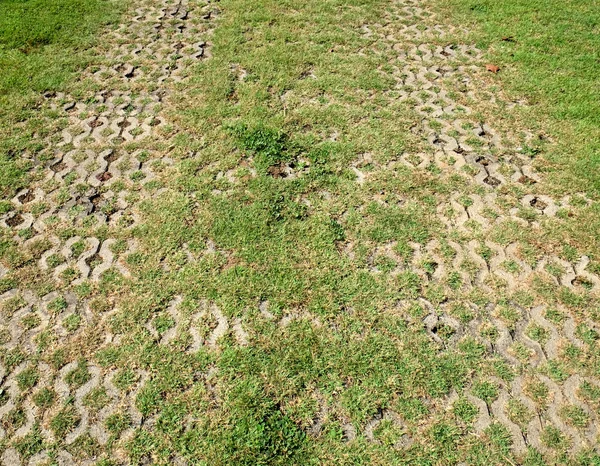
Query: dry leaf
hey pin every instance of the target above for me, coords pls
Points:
(492, 68)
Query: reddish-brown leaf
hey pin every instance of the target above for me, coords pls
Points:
(492, 68)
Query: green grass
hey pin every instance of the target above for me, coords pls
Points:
(43, 44)
(279, 240)
(548, 52)
(274, 246)
(329, 278)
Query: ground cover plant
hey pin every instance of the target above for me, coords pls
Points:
(322, 233)
(42, 46)
(548, 52)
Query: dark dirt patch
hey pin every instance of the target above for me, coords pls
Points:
(490, 180)
(26, 197)
(537, 203)
(104, 176)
